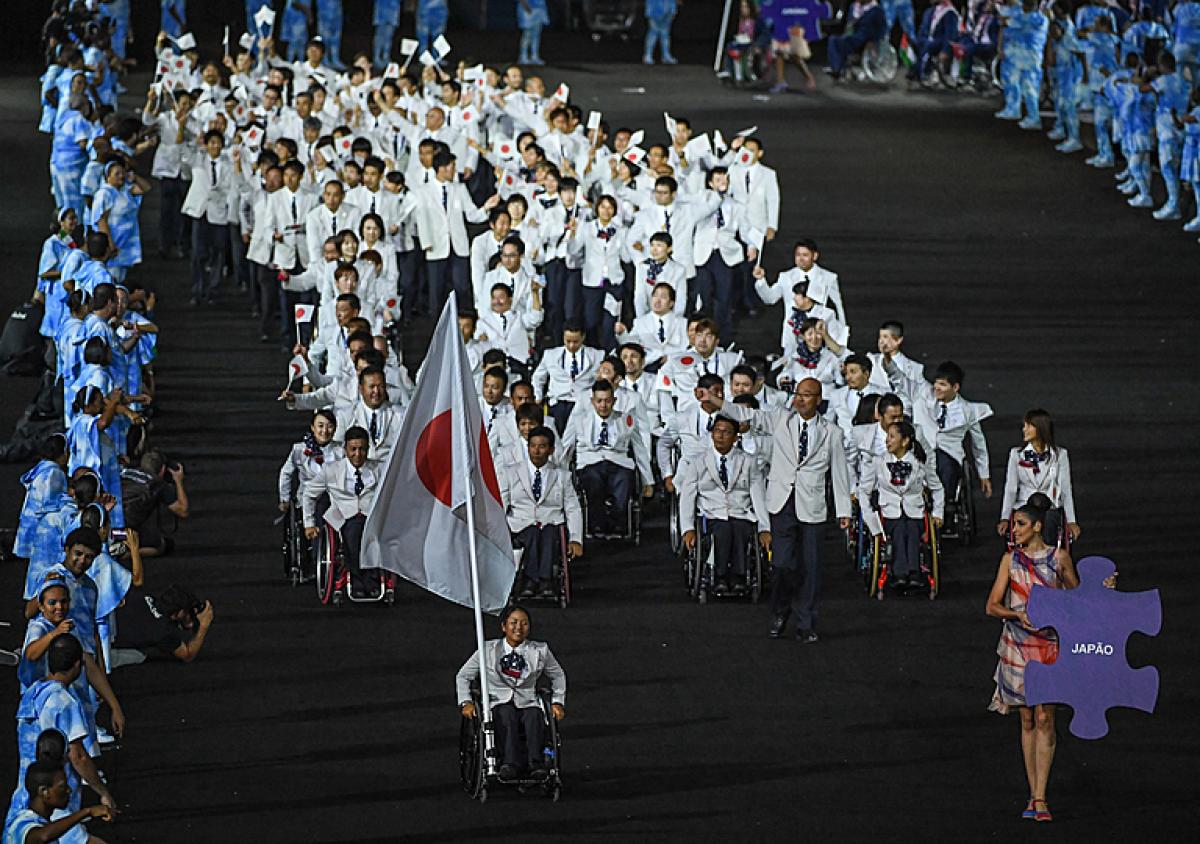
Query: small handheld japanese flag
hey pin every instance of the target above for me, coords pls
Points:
(562, 93)
(670, 123)
(505, 148)
(391, 304)
(718, 142)
(187, 41)
(636, 138)
(225, 41)
(408, 46)
(253, 137)
(304, 314)
(426, 58)
(296, 368)
(745, 157)
(593, 120)
(745, 133)
(345, 145)
(246, 42)
(634, 155)
(697, 147)
(471, 74)
(441, 47)
(392, 71)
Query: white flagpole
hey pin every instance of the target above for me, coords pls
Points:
(721, 35)
(489, 731)
(489, 734)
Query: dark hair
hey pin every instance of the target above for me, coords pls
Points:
(371, 370)
(442, 159)
(862, 361)
(51, 746)
(602, 385)
(662, 237)
(513, 240)
(666, 181)
(327, 414)
(532, 412)
(359, 337)
(710, 380)
(807, 243)
(950, 371)
(893, 327)
(357, 433)
(746, 399)
(496, 213)
(54, 447)
(64, 654)
(617, 364)
(1043, 424)
(573, 327)
(494, 356)
(496, 372)
(42, 774)
(636, 348)
(86, 487)
(542, 431)
(509, 610)
(744, 369)
(87, 537)
(886, 401)
(708, 324)
(719, 419)
(520, 382)
(351, 299)
(669, 288)
(908, 432)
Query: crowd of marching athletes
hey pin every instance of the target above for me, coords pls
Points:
(597, 303)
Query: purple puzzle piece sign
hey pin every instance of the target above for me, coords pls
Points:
(1093, 624)
(781, 15)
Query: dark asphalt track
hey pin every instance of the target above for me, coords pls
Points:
(301, 723)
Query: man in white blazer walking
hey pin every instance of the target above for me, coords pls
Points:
(805, 449)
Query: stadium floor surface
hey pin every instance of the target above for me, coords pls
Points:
(307, 723)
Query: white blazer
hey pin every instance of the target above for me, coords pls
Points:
(1053, 479)
(320, 224)
(906, 498)
(558, 505)
(825, 456)
(443, 230)
(698, 480)
(504, 688)
(552, 379)
(293, 249)
(722, 238)
(336, 479)
(761, 195)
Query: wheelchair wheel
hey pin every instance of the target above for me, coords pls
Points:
(850, 535)
(291, 545)
(756, 572)
(675, 533)
(326, 565)
(702, 571)
(471, 769)
(564, 572)
(877, 572)
(880, 62)
(964, 508)
(931, 551)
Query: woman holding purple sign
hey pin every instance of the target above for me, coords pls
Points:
(1031, 562)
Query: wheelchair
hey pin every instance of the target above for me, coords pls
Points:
(472, 766)
(699, 568)
(881, 551)
(878, 63)
(633, 513)
(333, 579)
(298, 563)
(961, 516)
(561, 575)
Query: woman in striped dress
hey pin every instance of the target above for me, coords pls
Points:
(1031, 562)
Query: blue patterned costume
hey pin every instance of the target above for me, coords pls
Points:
(60, 518)
(659, 16)
(386, 18)
(533, 16)
(67, 159)
(432, 16)
(122, 206)
(1100, 49)
(44, 483)
(329, 27)
(174, 17)
(47, 705)
(1024, 44)
(293, 28)
(92, 447)
(1172, 99)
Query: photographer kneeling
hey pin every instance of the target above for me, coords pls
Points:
(171, 624)
(145, 491)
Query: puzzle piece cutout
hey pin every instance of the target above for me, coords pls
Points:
(781, 15)
(1091, 673)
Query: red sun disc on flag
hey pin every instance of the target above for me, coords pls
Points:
(687, 361)
(505, 149)
(435, 462)
(628, 421)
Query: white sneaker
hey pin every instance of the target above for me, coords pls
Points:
(1168, 212)
(1069, 146)
(1141, 201)
(1192, 225)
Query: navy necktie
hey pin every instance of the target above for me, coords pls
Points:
(704, 363)
(803, 450)
(359, 486)
(372, 205)
(294, 215)
(574, 367)
(492, 418)
(662, 331)
(504, 323)
(213, 163)
(374, 427)
(445, 199)
(667, 224)
(724, 473)
(747, 181)
(537, 484)
(942, 418)
(720, 218)
(333, 223)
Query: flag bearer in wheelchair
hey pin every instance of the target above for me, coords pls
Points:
(350, 483)
(306, 458)
(723, 484)
(900, 481)
(515, 666)
(539, 498)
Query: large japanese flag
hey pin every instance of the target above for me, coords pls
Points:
(441, 464)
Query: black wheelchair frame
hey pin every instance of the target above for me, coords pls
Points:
(472, 765)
